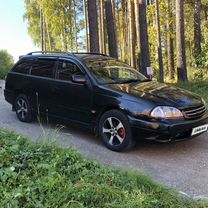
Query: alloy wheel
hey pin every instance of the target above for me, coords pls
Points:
(22, 108)
(114, 131)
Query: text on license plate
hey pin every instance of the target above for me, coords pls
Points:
(199, 129)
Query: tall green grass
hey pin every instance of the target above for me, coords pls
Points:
(46, 176)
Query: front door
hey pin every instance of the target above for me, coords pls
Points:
(72, 100)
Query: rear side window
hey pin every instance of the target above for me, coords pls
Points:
(43, 68)
(66, 69)
(23, 67)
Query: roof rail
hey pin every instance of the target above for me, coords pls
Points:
(93, 53)
(50, 52)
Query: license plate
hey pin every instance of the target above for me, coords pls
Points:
(199, 129)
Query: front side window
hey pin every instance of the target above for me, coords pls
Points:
(66, 69)
(43, 68)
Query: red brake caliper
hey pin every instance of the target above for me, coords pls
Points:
(122, 132)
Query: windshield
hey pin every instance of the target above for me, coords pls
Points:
(111, 71)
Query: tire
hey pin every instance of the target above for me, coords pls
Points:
(23, 109)
(115, 131)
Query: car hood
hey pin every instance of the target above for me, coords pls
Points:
(159, 93)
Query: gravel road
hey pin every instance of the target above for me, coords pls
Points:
(183, 165)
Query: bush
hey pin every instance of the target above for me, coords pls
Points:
(199, 75)
(6, 63)
(41, 175)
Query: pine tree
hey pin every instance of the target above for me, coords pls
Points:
(93, 26)
(197, 27)
(112, 44)
(180, 42)
(144, 43)
(159, 46)
(170, 42)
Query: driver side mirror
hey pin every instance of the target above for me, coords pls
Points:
(78, 78)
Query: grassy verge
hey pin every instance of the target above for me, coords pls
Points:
(200, 88)
(42, 175)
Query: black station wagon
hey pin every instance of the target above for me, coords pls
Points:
(105, 95)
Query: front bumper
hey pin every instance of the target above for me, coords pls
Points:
(165, 130)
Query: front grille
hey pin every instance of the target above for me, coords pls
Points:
(194, 112)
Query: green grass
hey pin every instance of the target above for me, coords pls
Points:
(200, 88)
(42, 175)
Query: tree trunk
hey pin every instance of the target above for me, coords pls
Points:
(180, 42)
(136, 7)
(159, 46)
(118, 27)
(111, 29)
(44, 33)
(70, 26)
(197, 27)
(41, 30)
(102, 28)
(131, 33)
(75, 26)
(144, 42)
(64, 28)
(149, 2)
(113, 8)
(93, 26)
(86, 25)
(123, 30)
(170, 43)
(206, 13)
(49, 36)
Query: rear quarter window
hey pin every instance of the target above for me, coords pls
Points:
(23, 67)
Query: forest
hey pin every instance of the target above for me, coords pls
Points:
(171, 36)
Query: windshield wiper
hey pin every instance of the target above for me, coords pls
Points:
(147, 80)
(129, 81)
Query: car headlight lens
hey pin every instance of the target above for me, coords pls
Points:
(166, 112)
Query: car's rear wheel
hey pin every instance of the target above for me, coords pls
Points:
(23, 109)
(115, 131)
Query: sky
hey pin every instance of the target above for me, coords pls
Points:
(13, 29)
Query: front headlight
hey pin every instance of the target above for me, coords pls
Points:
(166, 112)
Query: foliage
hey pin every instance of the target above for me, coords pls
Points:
(202, 58)
(196, 60)
(6, 63)
(41, 175)
(152, 28)
(199, 88)
(62, 23)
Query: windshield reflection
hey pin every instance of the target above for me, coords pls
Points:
(114, 72)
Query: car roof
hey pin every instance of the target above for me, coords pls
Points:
(83, 56)
(92, 57)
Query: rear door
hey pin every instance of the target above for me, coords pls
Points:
(41, 80)
(72, 100)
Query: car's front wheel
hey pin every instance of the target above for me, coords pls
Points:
(115, 131)
(23, 108)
